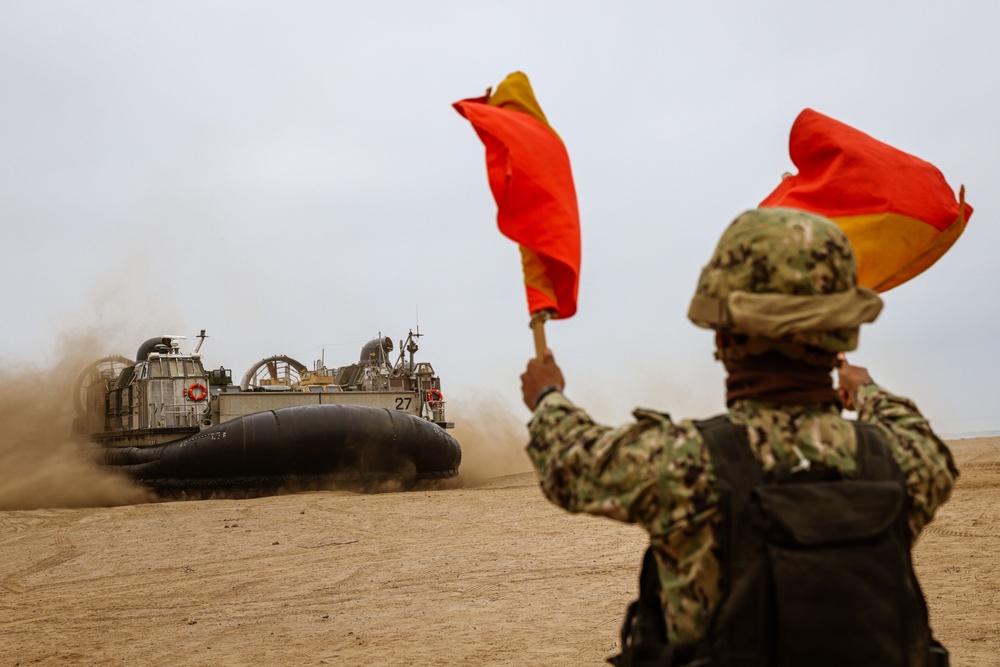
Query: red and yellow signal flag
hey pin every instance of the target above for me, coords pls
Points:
(897, 210)
(530, 176)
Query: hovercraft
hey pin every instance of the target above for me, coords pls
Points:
(167, 423)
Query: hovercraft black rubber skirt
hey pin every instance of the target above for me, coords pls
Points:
(301, 442)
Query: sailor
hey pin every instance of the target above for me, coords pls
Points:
(780, 532)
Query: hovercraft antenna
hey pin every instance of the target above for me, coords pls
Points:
(201, 340)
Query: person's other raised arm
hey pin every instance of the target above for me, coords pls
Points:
(925, 460)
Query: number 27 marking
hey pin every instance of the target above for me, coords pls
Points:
(403, 402)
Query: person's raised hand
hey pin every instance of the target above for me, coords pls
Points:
(540, 375)
(849, 378)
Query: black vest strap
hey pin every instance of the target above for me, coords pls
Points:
(737, 473)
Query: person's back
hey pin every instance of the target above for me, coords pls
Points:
(768, 292)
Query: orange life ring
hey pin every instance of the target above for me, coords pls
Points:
(200, 396)
(434, 396)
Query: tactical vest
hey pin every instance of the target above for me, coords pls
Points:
(816, 569)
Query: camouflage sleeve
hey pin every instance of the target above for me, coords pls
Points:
(925, 460)
(583, 466)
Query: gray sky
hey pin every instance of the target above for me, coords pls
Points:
(292, 178)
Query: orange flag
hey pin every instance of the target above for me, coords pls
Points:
(897, 210)
(529, 174)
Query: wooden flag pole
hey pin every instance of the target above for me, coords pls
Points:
(538, 329)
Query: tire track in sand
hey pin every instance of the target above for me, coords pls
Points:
(66, 552)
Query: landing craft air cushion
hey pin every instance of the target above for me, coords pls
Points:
(169, 424)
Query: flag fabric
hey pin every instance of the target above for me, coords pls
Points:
(897, 210)
(531, 180)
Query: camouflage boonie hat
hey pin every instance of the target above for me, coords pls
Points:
(784, 274)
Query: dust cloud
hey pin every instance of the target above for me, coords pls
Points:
(41, 464)
(492, 439)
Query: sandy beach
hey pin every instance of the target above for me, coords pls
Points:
(487, 574)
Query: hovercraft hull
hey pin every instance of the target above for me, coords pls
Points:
(308, 442)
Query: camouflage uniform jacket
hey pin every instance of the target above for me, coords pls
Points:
(658, 473)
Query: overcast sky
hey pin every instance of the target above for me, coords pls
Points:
(291, 177)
